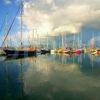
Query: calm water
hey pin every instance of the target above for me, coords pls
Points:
(50, 77)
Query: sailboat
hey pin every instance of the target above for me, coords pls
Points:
(92, 50)
(53, 50)
(60, 49)
(78, 50)
(46, 50)
(22, 51)
(67, 50)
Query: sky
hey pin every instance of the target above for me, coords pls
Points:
(52, 17)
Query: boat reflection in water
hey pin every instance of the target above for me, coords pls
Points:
(46, 77)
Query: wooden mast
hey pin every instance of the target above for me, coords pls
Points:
(21, 22)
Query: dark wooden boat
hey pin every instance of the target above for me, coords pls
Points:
(19, 53)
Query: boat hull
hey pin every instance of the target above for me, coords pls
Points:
(98, 52)
(78, 51)
(20, 53)
(53, 51)
(43, 51)
(60, 50)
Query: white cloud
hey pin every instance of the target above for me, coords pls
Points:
(8, 1)
(34, 19)
(55, 16)
(48, 1)
(69, 29)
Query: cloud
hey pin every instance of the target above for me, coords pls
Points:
(34, 19)
(8, 1)
(69, 28)
(60, 16)
(48, 1)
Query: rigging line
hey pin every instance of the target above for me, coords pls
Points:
(3, 22)
(10, 27)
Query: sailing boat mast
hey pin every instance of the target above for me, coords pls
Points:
(62, 42)
(21, 22)
(92, 42)
(47, 41)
